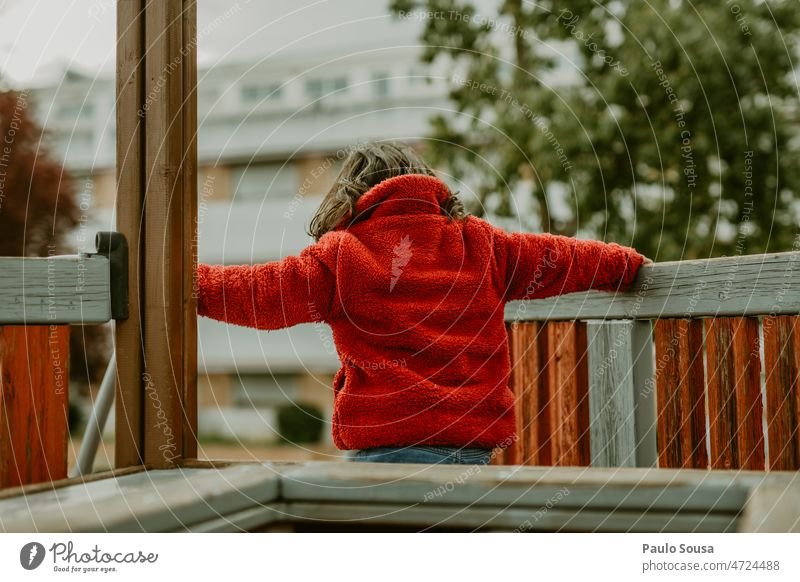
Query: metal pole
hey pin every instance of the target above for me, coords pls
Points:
(97, 421)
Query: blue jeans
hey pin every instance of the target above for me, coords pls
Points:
(432, 455)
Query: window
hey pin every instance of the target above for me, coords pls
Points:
(76, 110)
(380, 84)
(78, 139)
(255, 181)
(316, 88)
(258, 93)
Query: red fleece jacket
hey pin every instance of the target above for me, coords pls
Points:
(415, 302)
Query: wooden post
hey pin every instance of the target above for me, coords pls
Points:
(34, 383)
(157, 211)
(644, 393)
(130, 193)
(611, 394)
(189, 211)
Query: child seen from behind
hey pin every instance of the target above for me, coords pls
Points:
(414, 290)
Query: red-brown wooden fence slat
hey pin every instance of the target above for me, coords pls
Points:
(514, 453)
(543, 449)
(527, 384)
(567, 384)
(498, 457)
(734, 393)
(782, 373)
(680, 393)
(34, 392)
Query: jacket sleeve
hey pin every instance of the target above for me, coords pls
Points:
(297, 289)
(534, 266)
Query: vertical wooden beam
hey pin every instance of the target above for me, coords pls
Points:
(34, 401)
(734, 393)
(157, 210)
(611, 408)
(527, 382)
(129, 414)
(190, 226)
(782, 372)
(680, 385)
(164, 249)
(568, 384)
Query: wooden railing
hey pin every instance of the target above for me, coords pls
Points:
(697, 366)
(39, 298)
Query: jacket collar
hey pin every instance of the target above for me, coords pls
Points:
(406, 194)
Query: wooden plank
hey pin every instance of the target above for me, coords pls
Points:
(527, 383)
(129, 412)
(189, 498)
(680, 385)
(25, 490)
(190, 228)
(740, 285)
(782, 382)
(373, 517)
(611, 410)
(34, 396)
(153, 501)
(619, 488)
(644, 395)
(567, 382)
(163, 306)
(55, 290)
(734, 393)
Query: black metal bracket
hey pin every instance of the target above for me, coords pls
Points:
(114, 247)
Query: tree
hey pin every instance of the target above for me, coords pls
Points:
(664, 124)
(38, 209)
(37, 197)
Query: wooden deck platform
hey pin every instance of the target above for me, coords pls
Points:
(330, 496)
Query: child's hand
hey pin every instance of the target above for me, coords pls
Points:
(647, 261)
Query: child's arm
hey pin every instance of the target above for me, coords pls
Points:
(543, 265)
(268, 296)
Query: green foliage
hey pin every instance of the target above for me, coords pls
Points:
(667, 124)
(300, 423)
(38, 206)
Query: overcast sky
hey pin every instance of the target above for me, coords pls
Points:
(38, 38)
